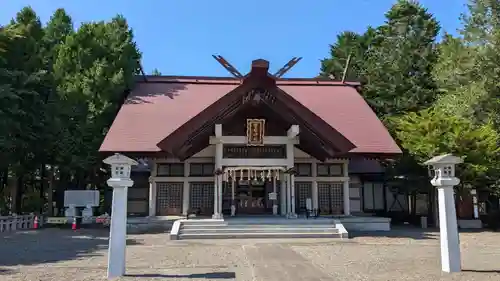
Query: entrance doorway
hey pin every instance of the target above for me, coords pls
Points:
(252, 190)
(252, 197)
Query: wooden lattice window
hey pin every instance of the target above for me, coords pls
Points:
(303, 169)
(330, 170)
(169, 198)
(201, 169)
(331, 197)
(202, 197)
(170, 170)
(303, 190)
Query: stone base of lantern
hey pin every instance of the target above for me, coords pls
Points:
(470, 224)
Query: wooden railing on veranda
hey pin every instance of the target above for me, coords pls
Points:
(16, 222)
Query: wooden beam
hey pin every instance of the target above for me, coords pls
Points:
(318, 151)
(346, 68)
(192, 143)
(268, 140)
(254, 162)
(218, 130)
(291, 63)
(321, 129)
(291, 117)
(230, 109)
(293, 131)
(320, 147)
(229, 67)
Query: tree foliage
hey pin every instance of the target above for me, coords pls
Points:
(60, 89)
(434, 97)
(394, 61)
(156, 72)
(434, 132)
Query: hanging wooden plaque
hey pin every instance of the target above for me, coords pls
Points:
(255, 132)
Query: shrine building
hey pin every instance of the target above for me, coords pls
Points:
(254, 145)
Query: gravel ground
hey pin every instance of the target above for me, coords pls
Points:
(403, 254)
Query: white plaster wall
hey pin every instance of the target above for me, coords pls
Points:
(355, 194)
(373, 196)
(301, 154)
(208, 151)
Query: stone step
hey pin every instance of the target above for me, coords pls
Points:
(258, 222)
(198, 222)
(258, 235)
(280, 226)
(258, 230)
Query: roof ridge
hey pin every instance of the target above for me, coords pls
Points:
(235, 81)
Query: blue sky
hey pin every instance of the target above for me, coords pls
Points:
(179, 37)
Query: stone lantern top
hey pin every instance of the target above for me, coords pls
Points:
(121, 167)
(120, 159)
(444, 170)
(445, 159)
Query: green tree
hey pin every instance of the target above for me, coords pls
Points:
(482, 31)
(348, 44)
(94, 67)
(58, 28)
(60, 89)
(399, 68)
(460, 83)
(432, 132)
(394, 61)
(24, 60)
(156, 72)
(466, 74)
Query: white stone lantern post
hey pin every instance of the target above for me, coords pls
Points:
(120, 182)
(444, 179)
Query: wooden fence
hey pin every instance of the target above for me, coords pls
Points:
(17, 222)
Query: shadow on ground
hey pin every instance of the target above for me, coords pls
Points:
(211, 275)
(480, 230)
(52, 245)
(399, 232)
(482, 270)
(5, 271)
(410, 232)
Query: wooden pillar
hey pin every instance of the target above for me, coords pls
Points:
(152, 189)
(233, 186)
(314, 174)
(186, 190)
(275, 200)
(288, 199)
(283, 194)
(292, 134)
(347, 201)
(218, 178)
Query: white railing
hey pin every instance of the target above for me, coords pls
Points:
(16, 222)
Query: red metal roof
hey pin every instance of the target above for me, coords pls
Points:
(155, 109)
(345, 110)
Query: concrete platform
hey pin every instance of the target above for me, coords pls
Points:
(470, 224)
(366, 223)
(275, 227)
(138, 225)
(257, 226)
